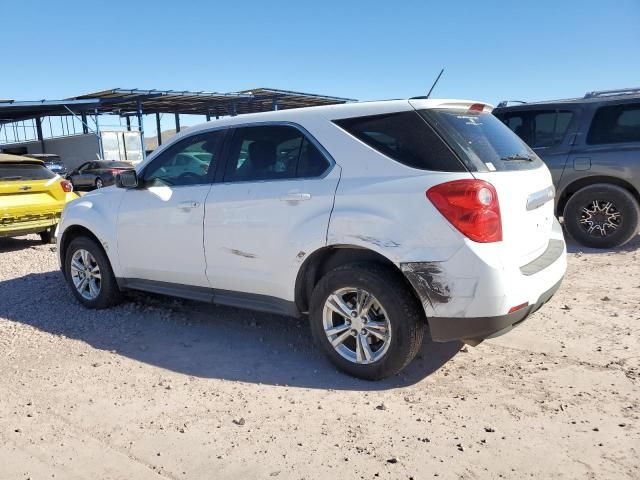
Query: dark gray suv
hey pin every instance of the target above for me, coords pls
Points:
(592, 147)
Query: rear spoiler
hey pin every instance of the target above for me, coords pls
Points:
(419, 103)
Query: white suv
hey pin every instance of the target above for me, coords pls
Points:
(375, 219)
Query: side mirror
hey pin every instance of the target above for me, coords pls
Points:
(127, 179)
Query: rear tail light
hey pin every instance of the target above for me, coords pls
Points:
(66, 186)
(471, 206)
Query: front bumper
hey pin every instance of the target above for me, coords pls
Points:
(476, 329)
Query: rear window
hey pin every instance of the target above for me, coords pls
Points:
(615, 124)
(24, 171)
(406, 138)
(482, 139)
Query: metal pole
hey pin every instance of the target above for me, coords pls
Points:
(100, 147)
(208, 116)
(274, 103)
(141, 130)
(159, 129)
(39, 133)
(177, 115)
(128, 123)
(85, 129)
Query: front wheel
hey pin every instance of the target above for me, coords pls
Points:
(366, 321)
(89, 274)
(602, 216)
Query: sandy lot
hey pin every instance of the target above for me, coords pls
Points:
(158, 388)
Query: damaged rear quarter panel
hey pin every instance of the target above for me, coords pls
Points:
(441, 292)
(391, 214)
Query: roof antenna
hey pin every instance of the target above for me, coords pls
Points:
(435, 83)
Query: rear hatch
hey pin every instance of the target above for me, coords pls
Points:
(29, 192)
(495, 154)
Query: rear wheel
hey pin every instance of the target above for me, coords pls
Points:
(89, 274)
(366, 321)
(602, 216)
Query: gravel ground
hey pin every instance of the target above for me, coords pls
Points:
(159, 388)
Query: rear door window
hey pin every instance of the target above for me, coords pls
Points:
(24, 171)
(482, 139)
(615, 124)
(406, 138)
(272, 152)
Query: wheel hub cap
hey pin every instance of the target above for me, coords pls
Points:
(85, 274)
(356, 325)
(600, 218)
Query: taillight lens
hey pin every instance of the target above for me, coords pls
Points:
(471, 206)
(66, 186)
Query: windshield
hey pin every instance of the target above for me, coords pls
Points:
(482, 139)
(24, 171)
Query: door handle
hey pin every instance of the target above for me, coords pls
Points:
(188, 205)
(295, 197)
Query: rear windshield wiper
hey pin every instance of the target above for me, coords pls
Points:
(517, 156)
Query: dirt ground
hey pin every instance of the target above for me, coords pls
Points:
(158, 388)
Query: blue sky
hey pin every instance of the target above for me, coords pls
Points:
(491, 50)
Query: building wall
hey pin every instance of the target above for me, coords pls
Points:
(73, 150)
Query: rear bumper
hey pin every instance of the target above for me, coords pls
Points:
(476, 329)
(16, 229)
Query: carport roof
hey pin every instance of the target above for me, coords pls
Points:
(12, 111)
(127, 101)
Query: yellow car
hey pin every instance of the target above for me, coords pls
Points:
(31, 197)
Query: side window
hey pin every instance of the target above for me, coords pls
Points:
(272, 152)
(520, 123)
(405, 137)
(188, 162)
(542, 128)
(615, 124)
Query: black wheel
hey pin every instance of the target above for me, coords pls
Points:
(366, 321)
(47, 235)
(99, 183)
(602, 216)
(89, 274)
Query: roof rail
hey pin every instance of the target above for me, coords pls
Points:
(505, 103)
(604, 93)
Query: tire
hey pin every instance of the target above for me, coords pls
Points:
(402, 310)
(587, 216)
(99, 183)
(108, 292)
(47, 236)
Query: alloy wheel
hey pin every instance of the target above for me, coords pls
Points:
(600, 218)
(85, 274)
(356, 325)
